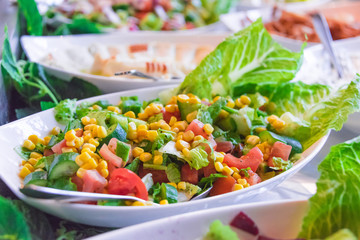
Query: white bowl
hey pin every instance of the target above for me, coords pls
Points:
(36, 48)
(277, 220)
(14, 133)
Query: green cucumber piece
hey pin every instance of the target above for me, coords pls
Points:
(123, 150)
(271, 137)
(115, 131)
(63, 183)
(64, 165)
(295, 144)
(186, 108)
(227, 124)
(154, 166)
(119, 119)
(45, 162)
(37, 178)
(137, 121)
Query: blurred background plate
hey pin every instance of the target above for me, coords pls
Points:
(75, 50)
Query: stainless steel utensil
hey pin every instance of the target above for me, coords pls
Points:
(322, 29)
(137, 74)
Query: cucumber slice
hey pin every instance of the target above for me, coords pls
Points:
(227, 124)
(123, 151)
(295, 144)
(37, 178)
(45, 162)
(64, 165)
(270, 137)
(115, 131)
(119, 119)
(186, 108)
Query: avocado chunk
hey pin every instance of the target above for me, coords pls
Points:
(64, 165)
(37, 178)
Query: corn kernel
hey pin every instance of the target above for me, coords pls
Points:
(165, 126)
(128, 202)
(68, 149)
(164, 202)
(252, 140)
(183, 98)
(198, 138)
(93, 121)
(238, 187)
(33, 161)
(242, 181)
(278, 124)
(89, 146)
(114, 109)
(143, 115)
(144, 157)
(223, 114)
(181, 186)
(246, 185)
(137, 151)
(101, 132)
(188, 136)
(24, 172)
(219, 167)
(228, 171)
(245, 100)
(55, 131)
(95, 156)
(158, 160)
(70, 135)
(272, 118)
(230, 103)
(191, 116)
(130, 114)
(180, 144)
(79, 161)
(236, 175)
(29, 166)
(186, 152)
(79, 141)
(80, 172)
(102, 164)
(173, 100)
(235, 169)
(181, 125)
(34, 138)
(132, 126)
(138, 204)
(29, 145)
(85, 120)
(171, 108)
(104, 172)
(216, 98)
(47, 140)
(238, 103)
(90, 164)
(35, 155)
(152, 135)
(175, 129)
(70, 143)
(94, 142)
(173, 184)
(208, 129)
(96, 107)
(219, 157)
(23, 162)
(172, 121)
(260, 129)
(194, 100)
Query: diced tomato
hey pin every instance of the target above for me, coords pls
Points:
(158, 176)
(142, 5)
(79, 133)
(93, 181)
(112, 145)
(111, 157)
(189, 174)
(225, 146)
(125, 182)
(57, 148)
(78, 182)
(167, 115)
(222, 185)
(209, 169)
(280, 150)
(213, 145)
(48, 152)
(197, 127)
(252, 159)
(253, 178)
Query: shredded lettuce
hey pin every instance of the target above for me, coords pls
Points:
(65, 111)
(249, 56)
(280, 164)
(173, 173)
(197, 158)
(336, 204)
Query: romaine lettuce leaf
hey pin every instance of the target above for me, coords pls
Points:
(249, 56)
(197, 158)
(65, 111)
(336, 204)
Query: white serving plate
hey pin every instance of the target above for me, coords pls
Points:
(14, 133)
(300, 5)
(38, 47)
(277, 220)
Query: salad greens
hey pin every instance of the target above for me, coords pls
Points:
(249, 56)
(33, 18)
(336, 203)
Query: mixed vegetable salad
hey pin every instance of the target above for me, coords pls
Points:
(135, 15)
(235, 121)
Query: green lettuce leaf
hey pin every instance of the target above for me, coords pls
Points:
(249, 56)
(218, 231)
(197, 158)
(280, 164)
(336, 204)
(65, 111)
(173, 173)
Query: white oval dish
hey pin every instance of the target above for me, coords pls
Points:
(14, 133)
(277, 220)
(36, 48)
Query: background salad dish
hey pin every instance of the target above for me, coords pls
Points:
(232, 123)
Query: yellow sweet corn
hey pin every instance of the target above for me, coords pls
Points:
(181, 144)
(252, 140)
(36, 155)
(188, 136)
(191, 116)
(208, 129)
(145, 157)
(29, 145)
(130, 114)
(24, 172)
(85, 120)
(158, 159)
(152, 135)
(181, 186)
(55, 131)
(137, 151)
(164, 202)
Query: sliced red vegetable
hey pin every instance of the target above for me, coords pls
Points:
(225, 146)
(243, 222)
(212, 143)
(57, 148)
(209, 169)
(253, 178)
(93, 182)
(222, 185)
(111, 157)
(197, 127)
(48, 152)
(252, 159)
(167, 115)
(159, 176)
(78, 182)
(189, 174)
(79, 133)
(280, 150)
(125, 182)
